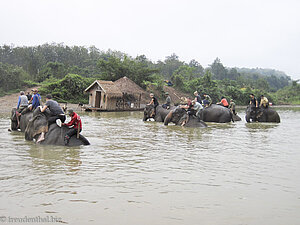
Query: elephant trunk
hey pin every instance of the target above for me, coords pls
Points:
(247, 117)
(168, 118)
(14, 125)
(28, 136)
(145, 118)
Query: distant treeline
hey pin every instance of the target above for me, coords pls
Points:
(49, 64)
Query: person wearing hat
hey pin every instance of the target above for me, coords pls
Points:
(75, 124)
(35, 100)
(168, 101)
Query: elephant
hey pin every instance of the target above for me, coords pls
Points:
(216, 113)
(26, 115)
(262, 115)
(54, 134)
(179, 115)
(160, 114)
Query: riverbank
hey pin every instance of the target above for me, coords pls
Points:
(10, 101)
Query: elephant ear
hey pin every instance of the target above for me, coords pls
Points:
(168, 118)
(36, 125)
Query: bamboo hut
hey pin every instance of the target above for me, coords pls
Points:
(120, 95)
(133, 94)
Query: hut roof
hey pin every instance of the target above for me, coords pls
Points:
(108, 87)
(126, 85)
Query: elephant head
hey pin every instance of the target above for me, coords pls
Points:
(254, 114)
(23, 119)
(37, 125)
(149, 112)
(176, 116)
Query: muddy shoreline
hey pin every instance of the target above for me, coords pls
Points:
(8, 102)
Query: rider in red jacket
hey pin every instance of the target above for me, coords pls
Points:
(75, 124)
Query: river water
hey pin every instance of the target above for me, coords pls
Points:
(139, 172)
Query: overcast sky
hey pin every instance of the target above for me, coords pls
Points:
(242, 33)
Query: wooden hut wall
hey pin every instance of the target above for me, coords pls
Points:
(92, 97)
(111, 103)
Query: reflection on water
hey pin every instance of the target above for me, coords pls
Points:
(139, 172)
(260, 126)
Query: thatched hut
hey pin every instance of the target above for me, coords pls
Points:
(122, 94)
(103, 95)
(133, 95)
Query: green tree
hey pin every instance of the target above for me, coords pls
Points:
(114, 68)
(70, 88)
(11, 77)
(218, 70)
(52, 69)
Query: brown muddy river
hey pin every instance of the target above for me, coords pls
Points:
(144, 173)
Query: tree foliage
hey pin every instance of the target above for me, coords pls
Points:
(70, 88)
(11, 77)
(54, 63)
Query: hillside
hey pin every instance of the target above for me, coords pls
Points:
(263, 72)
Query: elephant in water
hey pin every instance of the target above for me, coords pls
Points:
(217, 114)
(54, 134)
(26, 115)
(261, 115)
(160, 114)
(179, 117)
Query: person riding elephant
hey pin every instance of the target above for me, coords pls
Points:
(197, 97)
(53, 134)
(261, 115)
(75, 126)
(216, 113)
(193, 109)
(264, 102)
(207, 100)
(153, 101)
(57, 112)
(22, 105)
(167, 104)
(35, 100)
(254, 105)
(223, 102)
(180, 117)
(159, 116)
